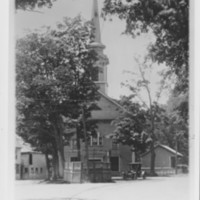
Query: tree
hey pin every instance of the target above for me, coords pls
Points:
(37, 133)
(177, 129)
(32, 4)
(149, 115)
(169, 21)
(130, 127)
(179, 105)
(54, 71)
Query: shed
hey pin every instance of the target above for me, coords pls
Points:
(165, 160)
(33, 164)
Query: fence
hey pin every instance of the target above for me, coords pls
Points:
(75, 172)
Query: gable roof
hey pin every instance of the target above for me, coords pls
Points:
(170, 150)
(109, 109)
(24, 146)
(111, 100)
(167, 148)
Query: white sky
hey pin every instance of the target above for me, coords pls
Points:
(120, 49)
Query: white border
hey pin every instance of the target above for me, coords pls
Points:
(194, 97)
(7, 102)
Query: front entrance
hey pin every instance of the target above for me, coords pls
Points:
(114, 163)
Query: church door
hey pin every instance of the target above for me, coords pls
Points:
(114, 164)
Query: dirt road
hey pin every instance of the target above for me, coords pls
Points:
(158, 188)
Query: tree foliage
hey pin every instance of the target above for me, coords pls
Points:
(169, 20)
(144, 117)
(32, 4)
(177, 129)
(54, 70)
(131, 127)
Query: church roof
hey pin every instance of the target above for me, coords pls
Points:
(112, 101)
(109, 109)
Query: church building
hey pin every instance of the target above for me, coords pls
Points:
(103, 147)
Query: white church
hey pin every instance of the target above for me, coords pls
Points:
(102, 147)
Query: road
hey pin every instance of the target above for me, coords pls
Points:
(154, 188)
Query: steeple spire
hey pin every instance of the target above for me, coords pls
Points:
(95, 20)
(101, 64)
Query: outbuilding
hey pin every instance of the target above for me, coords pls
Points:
(33, 164)
(165, 160)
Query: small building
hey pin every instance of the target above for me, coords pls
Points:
(29, 164)
(33, 164)
(165, 160)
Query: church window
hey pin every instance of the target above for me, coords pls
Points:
(96, 140)
(74, 144)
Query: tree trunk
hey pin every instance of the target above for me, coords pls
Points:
(59, 143)
(153, 154)
(61, 162)
(55, 173)
(48, 166)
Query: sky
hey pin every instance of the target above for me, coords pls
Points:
(120, 49)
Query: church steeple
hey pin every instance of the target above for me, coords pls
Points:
(95, 20)
(98, 46)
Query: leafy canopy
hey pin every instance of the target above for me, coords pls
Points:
(32, 4)
(169, 20)
(54, 70)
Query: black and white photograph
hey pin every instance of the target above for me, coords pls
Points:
(102, 105)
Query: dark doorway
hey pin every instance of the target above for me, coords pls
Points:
(114, 163)
(173, 161)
